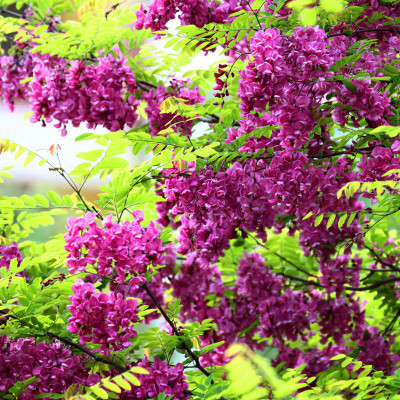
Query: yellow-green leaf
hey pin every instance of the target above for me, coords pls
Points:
(331, 220)
(318, 220)
(98, 391)
(111, 386)
(131, 378)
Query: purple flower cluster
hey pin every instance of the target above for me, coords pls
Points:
(283, 314)
(9, 252)
(379, 161)
(366, 103)
(154, 98)
(14, 69)
(214, 205)
(257, 299)
(157, 286)
(293, 75)
(340, 271)
(316, 360)
(290, 75)
(339, 317)
(375, 350)
(194, 12)
(98, 94)
(162, 378)
(119, 249)
(101, 318)
(53, 364)
(376, 19)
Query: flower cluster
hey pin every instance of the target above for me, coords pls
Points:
(257, 299)
(102, 318)
(120, 249)
(162, 378)
(154, 98)
(8, 253)
(98, 94)
(195, 12)
(283, 314)
(278, 77)
(214, 205)
(379, 161)
(13, 70)
(339, 317)
(375, 350)
(340, 271)
(248, 197)
(53, 364)
(157, 286)
(293, 75)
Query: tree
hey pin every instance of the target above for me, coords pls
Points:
(263, 230)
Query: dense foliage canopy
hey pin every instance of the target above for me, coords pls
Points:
(255, 254)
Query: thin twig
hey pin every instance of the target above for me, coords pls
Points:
(95, 357)
(175, 330)
(391, 266)
(12, 13)
(351, 33)
(282, 257)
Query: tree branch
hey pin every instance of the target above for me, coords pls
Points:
(175, 330)
(12, 13)
(77, 346)
(95, 357)
(350, 288)
(351, 33)
(391, 266)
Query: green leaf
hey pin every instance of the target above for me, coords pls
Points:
(342, 220)
(346, 362)
(41, 200)
(308, 215)
(309, 16)
(131, 378)
(335, 6)
(29, 158)
(120, 381)
(139, 370)
(331, 220)
(111, 386)
(98, 391)
(319, 219)
(338, 357)
(67, 200)
(92, 155)
(54, 197)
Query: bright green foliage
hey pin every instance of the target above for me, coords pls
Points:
(38, 307)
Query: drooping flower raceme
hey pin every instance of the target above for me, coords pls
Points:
(162, 378)
(101, 318)
(118, 249)
(53, 364)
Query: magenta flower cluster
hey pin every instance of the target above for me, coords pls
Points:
(214, 205)
(258, 299)
(117, 251)
(13, 70)
(8, 253)
(178, 123)
(196, 12)
(293, 75)
(101, 318)
(162, 378)
(76, 92)
(53, 364)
